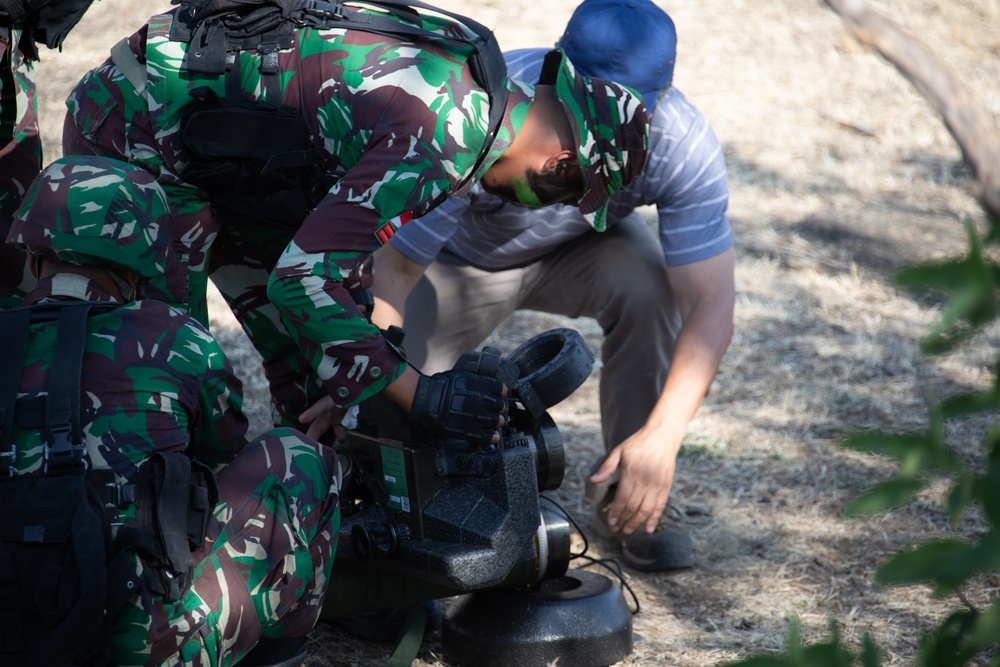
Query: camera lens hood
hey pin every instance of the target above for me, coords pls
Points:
(551, 366)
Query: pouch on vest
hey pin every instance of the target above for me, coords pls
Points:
(54, 549)
(252, 158)
(176, 498)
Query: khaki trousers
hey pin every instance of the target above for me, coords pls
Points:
(617, 277)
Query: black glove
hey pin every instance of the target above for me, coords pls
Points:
(460, 405)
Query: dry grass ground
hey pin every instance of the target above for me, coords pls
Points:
(839, 173)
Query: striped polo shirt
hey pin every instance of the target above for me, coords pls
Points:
(684, 178)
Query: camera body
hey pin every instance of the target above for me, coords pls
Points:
(425, 517)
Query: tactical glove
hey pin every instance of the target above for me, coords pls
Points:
(460, 405)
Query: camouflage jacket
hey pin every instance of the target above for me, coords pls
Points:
(20, 146)
(398, 123)
(20, 159)
(152, 380)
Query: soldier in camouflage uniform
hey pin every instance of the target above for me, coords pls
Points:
(21, 26)
(154, 380)
(20, 155)
(399, 124)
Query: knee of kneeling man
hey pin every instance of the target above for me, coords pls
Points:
(641, 285)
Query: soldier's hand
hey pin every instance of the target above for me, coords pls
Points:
(461, 405)
(323, 417)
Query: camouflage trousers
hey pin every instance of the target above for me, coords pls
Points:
(264, 567)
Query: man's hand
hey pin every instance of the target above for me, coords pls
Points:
(323, 416)
(461, 405)
(647, 464)
(705, 294)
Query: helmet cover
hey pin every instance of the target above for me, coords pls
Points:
(96, 211)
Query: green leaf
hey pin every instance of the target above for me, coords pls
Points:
(793, 639)
(948, 644)
(944, 341)
(870, 653)
(924, 563)
(972, 303)
(961, 496)
(993, 233)
(831, 654)
(972, 403)
(991, 441)
(986, 627)
(946, 563)
(915, 451)
(989, 492)
(888, 495)
(760, 661)
(948, 275)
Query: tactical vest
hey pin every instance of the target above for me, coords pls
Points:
(64, 566)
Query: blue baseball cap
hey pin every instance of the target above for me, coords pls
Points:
(632, 42)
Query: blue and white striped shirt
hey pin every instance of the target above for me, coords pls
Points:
(684, 178)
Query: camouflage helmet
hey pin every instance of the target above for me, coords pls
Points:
(96, 211)
(611, 131)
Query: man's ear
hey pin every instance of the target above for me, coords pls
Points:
(561, 163)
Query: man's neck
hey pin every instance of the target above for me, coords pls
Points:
(545, 130)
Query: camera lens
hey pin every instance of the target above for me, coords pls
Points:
(552, 541)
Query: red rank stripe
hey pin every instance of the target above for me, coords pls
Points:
(388, 230)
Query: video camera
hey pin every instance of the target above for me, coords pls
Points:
(425, 517)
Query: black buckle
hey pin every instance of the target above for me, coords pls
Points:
(113, 497)
(322, 12)
(63, 453)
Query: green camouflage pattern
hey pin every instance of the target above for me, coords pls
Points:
(154, 380)
(398, 124)
(96, 211)
(20, 158)
(611, 131)
(265, 566)
(164, 383)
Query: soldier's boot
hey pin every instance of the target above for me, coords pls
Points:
(285, 652)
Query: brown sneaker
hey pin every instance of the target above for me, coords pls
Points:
(667, 548)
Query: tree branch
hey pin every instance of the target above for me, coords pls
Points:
(970, 123)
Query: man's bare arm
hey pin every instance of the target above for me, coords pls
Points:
(705, 294)
(395, 275)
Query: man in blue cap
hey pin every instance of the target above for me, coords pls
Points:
(666, 309)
